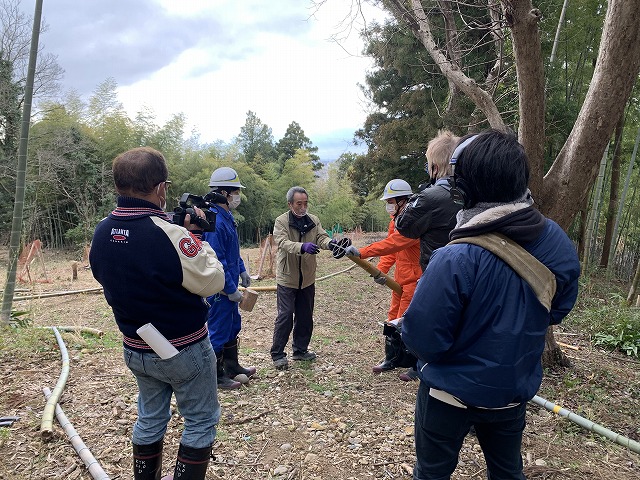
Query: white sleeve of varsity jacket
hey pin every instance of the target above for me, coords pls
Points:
(202, 272)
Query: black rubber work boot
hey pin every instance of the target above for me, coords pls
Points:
(192, 463)
(231, 365)
(147, 461)
(224, 382)
(391, 350)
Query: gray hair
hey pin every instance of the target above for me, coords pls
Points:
(293, 190)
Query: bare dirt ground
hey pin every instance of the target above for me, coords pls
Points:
(331, 419)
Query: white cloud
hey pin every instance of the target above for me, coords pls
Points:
(214, 60)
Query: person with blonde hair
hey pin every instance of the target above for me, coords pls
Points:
(477, 325)
(431, 214)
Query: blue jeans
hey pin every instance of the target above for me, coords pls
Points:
(440, 429)
(191, 375)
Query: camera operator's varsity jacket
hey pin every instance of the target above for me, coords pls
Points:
(154, 271)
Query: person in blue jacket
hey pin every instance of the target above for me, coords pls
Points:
(475, 325)
(223, 318)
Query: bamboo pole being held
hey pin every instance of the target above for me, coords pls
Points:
(46, 426)
(588, 424)
(95, 470)
(374, 272)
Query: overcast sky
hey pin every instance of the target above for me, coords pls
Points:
(214, 60)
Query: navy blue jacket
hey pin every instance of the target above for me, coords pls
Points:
(224, 241)
(153, 271)
(478, 329)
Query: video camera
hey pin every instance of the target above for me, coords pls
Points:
(188, 201)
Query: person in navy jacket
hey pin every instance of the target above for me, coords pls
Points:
(475, 325)
(153, 271)
(223, 317)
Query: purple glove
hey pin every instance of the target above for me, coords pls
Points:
(310, 247)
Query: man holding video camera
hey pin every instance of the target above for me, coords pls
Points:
(153, 271)
(223, 319)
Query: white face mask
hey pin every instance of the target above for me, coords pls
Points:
(391, 208)
(234, 201)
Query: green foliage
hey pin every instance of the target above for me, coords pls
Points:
(294, 139)
(334, 202)
(256, 142)
(601, 312)
(623, 334)
(20, 318)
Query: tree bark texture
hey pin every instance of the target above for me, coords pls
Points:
(565, 186)
(523, 20)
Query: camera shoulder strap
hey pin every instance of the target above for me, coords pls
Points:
(541, 280)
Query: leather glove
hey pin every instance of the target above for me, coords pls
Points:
(352, 251)
(380, 279)
(235, 296)
(245, 279)
(310, 247)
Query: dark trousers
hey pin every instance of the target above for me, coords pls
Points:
(295, 312)
(440, 429)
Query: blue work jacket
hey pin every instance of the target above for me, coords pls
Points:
(478, 328)
(224, 241)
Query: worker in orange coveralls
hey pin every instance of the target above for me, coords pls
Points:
(405, 254)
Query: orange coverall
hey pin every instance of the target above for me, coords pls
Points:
(405, 253)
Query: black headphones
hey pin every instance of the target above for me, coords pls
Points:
(460, 192)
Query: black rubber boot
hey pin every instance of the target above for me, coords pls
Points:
(231, 365)
(391, 350)
(224, 382)
(147, 461)
(192, 463)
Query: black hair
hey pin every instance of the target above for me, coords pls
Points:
(494, 166)
(138, 171)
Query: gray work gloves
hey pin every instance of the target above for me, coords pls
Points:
(235, 296)
(380, 279)
(245, 279)
(352, 251)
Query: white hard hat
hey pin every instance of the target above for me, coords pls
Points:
(396, 188)
(225, 177)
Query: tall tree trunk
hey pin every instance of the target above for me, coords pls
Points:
(615, 73)
(523, 20)
(613, 195)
